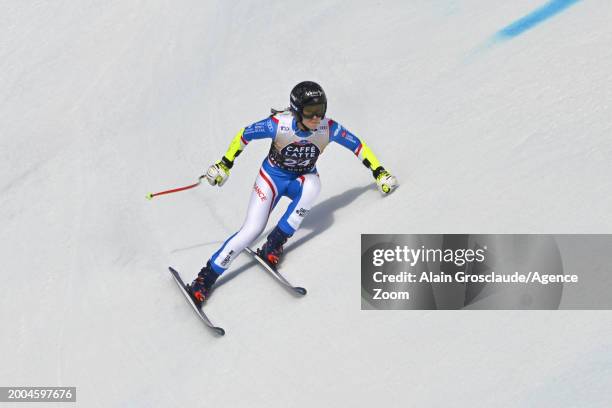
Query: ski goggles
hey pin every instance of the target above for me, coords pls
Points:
(310, 111)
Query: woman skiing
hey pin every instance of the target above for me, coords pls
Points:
(299, 135)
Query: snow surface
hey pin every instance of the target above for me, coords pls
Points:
(104, 101)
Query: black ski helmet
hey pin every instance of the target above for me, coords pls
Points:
(305, 94)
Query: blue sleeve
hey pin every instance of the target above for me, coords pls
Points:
(342, 136)
(264, 129)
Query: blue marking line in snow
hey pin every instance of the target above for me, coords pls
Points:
(534, 18)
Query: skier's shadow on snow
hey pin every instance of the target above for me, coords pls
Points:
(320, 218)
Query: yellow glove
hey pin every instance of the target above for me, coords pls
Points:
(217, 174)
(385, 181)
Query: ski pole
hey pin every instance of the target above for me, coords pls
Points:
(175, 190)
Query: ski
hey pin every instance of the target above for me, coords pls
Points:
(198, 310)
(276, 274)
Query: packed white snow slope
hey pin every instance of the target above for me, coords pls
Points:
(487, 131)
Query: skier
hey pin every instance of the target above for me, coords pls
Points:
(299, 135)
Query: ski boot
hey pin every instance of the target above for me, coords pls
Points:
(272, 249)
(201, 286)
